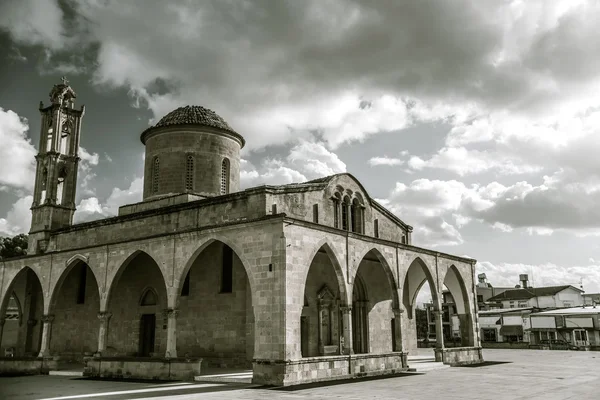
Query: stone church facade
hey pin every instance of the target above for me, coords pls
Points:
(300, 282)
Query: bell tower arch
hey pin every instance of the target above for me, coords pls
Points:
(56, 166)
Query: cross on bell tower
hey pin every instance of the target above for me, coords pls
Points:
(56, 166)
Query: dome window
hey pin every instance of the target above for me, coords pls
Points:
(225, 176)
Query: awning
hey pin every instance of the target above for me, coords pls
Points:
(515, 330)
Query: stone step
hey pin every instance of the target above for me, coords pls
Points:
(242, 377)
(66, 373)
(421, 359)
(426, 366)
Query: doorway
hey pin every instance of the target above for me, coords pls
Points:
(147, 327)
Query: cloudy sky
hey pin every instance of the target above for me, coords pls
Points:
(477, 122)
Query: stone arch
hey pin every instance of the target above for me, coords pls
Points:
(339, 272)
(374, 316)
(208, 241)
(116, 277)
(25, 338)
(75, 302)
(9, 287)
(71, 263)
(455, 283)
(215, 320)
(416, 275)
(324, 290)
(130, 319)
(387, 269)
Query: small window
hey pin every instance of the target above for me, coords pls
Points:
(155, 174)
(316, 213)
(225, 176)
(274, 209)
(376, 228)
(403, 239)
(185, 290)
(82, 284)
(149, 298)
(345, 216)
(189, 173)
(227, 270)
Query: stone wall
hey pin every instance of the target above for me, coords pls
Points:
(139, 275)
(132, 368)
(211, 324)
(75, 325)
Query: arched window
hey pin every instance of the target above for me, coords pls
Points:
(60, 185)
(43, 186)
(155, 172)
(345, 216)
(189, 173)
(225, 176)
(336, 210)
(149, 298)
(357, 216)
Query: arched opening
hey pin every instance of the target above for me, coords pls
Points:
(22, 335)
(189, 173)
(346, 214)
(43, 185)
(225, 176)
(373, 306)
(357, 216)
(75, 304)
(216, 318)
(419, 299)
(360, 317)
(137, 300)
(60, 185)
(457, 316)
(321, 319)
(155, 175)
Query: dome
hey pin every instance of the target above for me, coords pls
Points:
(196, 115)
(193, 115)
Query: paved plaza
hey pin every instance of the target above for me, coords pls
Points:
(526, 374)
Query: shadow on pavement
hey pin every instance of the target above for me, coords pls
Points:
(483, 364)
(336, 382)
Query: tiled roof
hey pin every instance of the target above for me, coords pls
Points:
(194, 115)
(528, 293)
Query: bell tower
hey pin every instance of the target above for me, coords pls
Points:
(56, 166)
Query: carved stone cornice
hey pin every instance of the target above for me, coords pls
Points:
(346, 309)
(172, 313)
(104, 316)
(47, 319)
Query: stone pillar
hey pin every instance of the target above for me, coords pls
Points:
(347, 329)
(104, 317)
(439, 329)
(46, 335)
(2, 320)
(398, 329)
(171, 351)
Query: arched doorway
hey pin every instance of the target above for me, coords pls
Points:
(216, 318)
(75, 304)
(373, 328)
(23, 310)
(457, 311)
(419, 298)
(321, 319)
(137, 302)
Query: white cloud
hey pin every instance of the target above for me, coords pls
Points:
(18, 219)
(90, 209)
(17, 162)
(374, 161)
(33, 22)
(305, 161)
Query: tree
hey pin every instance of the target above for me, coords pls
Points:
(13, 247)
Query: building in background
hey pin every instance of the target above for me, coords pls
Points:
(590, 299)
(485, 291)
(569, 327)
(503, 325)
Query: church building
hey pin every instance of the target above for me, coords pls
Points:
(301, 283)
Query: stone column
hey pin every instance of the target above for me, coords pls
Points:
(398, 329)
(46, 335)
(439, 329)
(104, 317)
(171, 351)
(347, 329)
